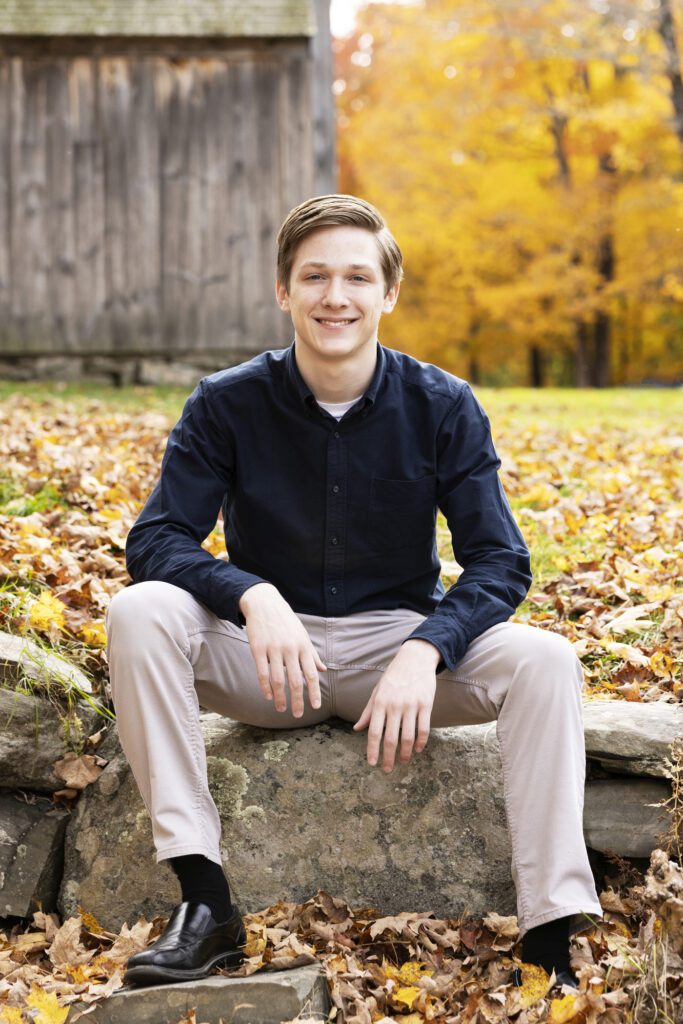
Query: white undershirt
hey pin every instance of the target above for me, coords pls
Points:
(337, 409)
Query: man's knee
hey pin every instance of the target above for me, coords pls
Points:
(136, 608)
(552, 655)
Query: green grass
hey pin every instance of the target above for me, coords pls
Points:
(570, 408)
(564, 407)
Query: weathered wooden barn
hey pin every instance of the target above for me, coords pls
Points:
(149, 150)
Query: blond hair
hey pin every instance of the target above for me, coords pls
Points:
(330, 211)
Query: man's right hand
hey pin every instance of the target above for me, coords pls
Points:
(279, 643)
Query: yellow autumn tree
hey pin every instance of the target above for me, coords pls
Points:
(527, 160)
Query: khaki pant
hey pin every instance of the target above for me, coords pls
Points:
(169, 655)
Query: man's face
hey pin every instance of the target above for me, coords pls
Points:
(336, 292)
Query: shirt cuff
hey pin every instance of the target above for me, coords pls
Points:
(447, 639)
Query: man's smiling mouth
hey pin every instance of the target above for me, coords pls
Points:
(334, 323)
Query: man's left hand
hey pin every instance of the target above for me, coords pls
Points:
(402, 701)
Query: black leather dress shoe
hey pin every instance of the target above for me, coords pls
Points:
(189, 947)
(563, 978)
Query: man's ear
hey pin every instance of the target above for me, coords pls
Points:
(282, 297)
(391, 297)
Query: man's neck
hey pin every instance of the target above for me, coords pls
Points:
(337, 381)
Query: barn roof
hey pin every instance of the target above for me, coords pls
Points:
(156, 18)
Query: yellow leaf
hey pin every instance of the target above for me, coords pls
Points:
(11, 1015)
(408, 994)
(46, 612)
(563, 1010)
(46, 1005)
(94, 634)
(534, 984)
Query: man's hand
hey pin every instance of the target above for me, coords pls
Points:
(403, 697)
(279, 642)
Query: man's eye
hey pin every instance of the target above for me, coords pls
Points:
(359, 277)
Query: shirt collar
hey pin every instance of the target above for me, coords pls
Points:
(300, 386)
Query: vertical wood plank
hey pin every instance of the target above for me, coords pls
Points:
(60, 214)
(216, 286)
(29, 259)
(237, 198)
(5, 205)
(142, 210)
(322, 103)
(115, 111)
(88, 160)
(252, 289)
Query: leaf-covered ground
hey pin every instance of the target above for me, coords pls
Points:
(595, 481)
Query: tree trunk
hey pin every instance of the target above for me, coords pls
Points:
(536, 367)
(601, 375)
(667, 31)
(581, 357)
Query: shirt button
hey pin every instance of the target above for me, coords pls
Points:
(335, 489)
(333, 590)
(334, 540)
(336, 435)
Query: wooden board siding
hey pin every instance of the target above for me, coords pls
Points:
(140, 197)
(157, 17)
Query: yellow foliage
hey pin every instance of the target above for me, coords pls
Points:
(94, 634)
(504, 163)
(46, 1007)
(46, 613)
(563, 1010)
(11, 1015)
(408, 994)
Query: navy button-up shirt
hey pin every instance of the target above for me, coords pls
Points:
(338, 515)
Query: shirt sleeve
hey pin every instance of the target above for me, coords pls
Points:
(487, 542)
(197, 471)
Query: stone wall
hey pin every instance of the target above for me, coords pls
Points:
(301, 810)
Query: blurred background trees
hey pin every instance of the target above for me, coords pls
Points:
(529, 159)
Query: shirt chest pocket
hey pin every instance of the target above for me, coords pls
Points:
(401, 513)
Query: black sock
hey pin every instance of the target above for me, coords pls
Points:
(548, 945)
(202, 879)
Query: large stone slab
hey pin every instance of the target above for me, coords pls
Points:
(33, 735)
(618, 815)
(31, 855)
(268, 997)
(302, 810)
(630, 738)
(23, 658)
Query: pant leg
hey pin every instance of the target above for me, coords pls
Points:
(169, 655)
(530, 681)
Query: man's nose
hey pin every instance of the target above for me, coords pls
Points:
(334, 293)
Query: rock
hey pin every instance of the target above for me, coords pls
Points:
(630, 738)
(267, 997)
(115, 370)
(301, 810)
(618, 816)
(34, 735)
(31, 855)
(21, 658)
(153, 371)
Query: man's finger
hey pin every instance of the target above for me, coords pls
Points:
(375, 733)
(311, 676)
(263, 673)
(423, 721)
(295, 681)
(391, 731)
(365, 716)
(319, 662)
(277, 681)
(407, 735)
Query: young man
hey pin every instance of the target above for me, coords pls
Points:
(329, 460)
